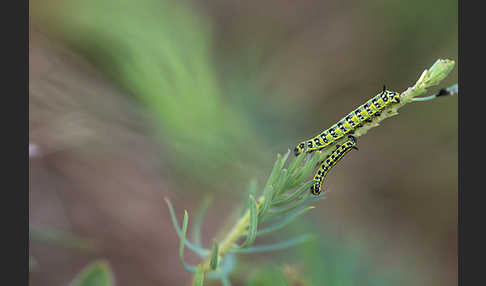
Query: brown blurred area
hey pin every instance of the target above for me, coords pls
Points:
(97, 171)
(95, 174)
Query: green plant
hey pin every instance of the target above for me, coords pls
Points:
(97, 273)
(169, 47)
(284, 196)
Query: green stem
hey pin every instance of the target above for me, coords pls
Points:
(238, 230)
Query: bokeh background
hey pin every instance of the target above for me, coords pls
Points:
(134, 101)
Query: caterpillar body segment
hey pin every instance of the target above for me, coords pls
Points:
(347, 125)
(329, 162)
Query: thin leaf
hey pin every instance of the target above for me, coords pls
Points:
(252, 187)
(183, 238)
(295, 170)
(95, 274)
(202, 252)
(302, 189)
(198, 219)
(280, 183)
(199, 276)
(182, 242)
(277, 167)
(267, 199)
(295, 164)
(270, 188)
(285, 221)
(252, 227)
(276, 246)
(426, 98)
(284, 159)
(310, 165)
(275, 171)
(213, 263)
(228, 264)
(283, 210)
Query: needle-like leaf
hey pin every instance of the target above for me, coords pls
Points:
(267, 199)
(276, 246)
(252, 187)
(200, 251)
(285, 221)
(295, 164)
(199, 276)
(182, 243)
(213, 263)
(252, 226)
(296, 194)
(198, 219)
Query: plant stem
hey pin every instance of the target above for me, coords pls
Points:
(238, 230)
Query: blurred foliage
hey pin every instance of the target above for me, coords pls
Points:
(213, 105)
(330, 260)
(161, 53)
(267, 275)
(334, 260)
(60, 238)
(97, 273)
(198, 277)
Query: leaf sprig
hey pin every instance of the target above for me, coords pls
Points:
(284, 197)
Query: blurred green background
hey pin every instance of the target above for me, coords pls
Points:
(131, 101)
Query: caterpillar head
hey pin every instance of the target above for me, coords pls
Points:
(315, 189)
(393, 96)
(299, 148)
(352, 139)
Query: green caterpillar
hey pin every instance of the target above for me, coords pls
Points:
(331, 160)
(350, 122)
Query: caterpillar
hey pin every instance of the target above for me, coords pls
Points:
(350, 122)
(331, 160)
